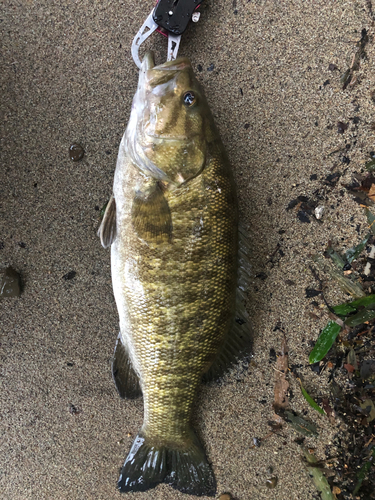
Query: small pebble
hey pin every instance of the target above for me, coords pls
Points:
(76, 152)
(272, 482)
(10, 283)
(256, 442)
(341, 127)
(74, 410)
(225, 496)
(319, 211)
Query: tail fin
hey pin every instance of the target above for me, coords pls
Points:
(186, 470)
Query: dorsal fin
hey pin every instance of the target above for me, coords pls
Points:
(236, 346)
(239, 340)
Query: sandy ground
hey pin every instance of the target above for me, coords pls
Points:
(66, 76)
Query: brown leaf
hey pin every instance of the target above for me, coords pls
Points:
(371, 193)
(281, 401)
(352, 359)
(327, 408)
(366, 183)
(329, 411)
(349, 368)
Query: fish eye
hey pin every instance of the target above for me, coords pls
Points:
(189, 98)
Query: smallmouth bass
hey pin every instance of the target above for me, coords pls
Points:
(172, 224)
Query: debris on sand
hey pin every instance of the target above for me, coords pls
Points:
(281, 402)
(352, 373)
(348, 78)
(10, 283)
(317, 476)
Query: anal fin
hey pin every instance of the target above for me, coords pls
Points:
(107, 229)
(123, 374)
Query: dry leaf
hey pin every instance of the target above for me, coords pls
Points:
(371, 193)
(349, 368)
(281, 384)
(368, 406)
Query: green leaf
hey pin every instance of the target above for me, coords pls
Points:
(362, 316)
(370, 219)
(353, 253)
(311, 402)
(336, 257)
(349, 286)
(301, 424)
(348, 307)
(319, 479)
(364, 301)
(370, 165)
(343, 309)
(324, 342)
(363, 472)
(344, 79)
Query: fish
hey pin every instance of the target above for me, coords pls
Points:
(172, 225)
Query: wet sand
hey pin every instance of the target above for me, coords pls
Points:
(67, 76)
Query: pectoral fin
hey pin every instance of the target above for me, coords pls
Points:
(107, 229)
(151, 216)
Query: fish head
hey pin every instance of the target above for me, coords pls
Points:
(172, 123)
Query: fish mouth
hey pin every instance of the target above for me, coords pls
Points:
(159, 139)
(148, 60)
(176, 65)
